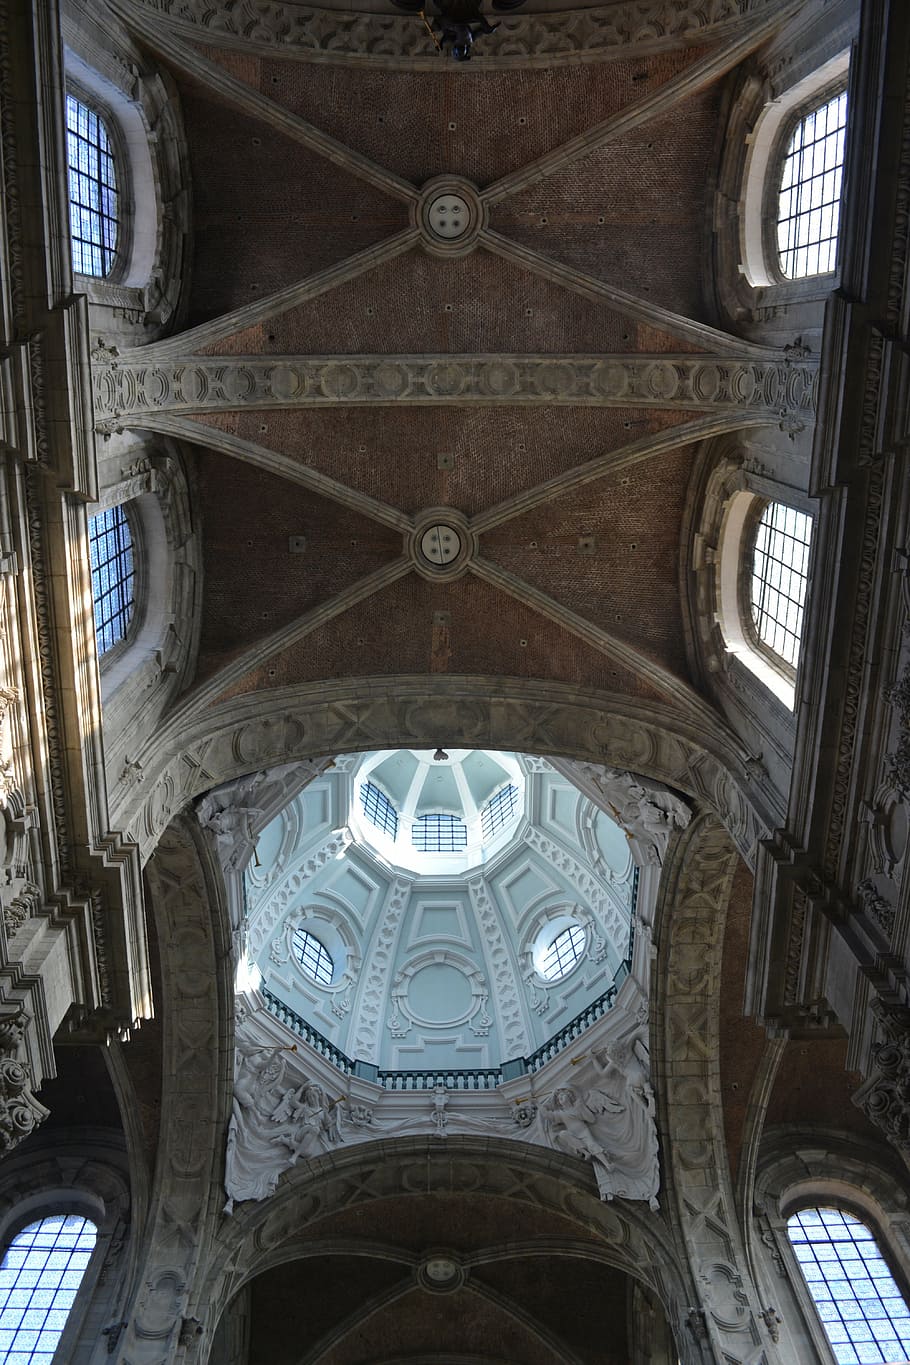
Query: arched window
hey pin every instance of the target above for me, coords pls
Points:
(862, 1311)
(439, 834)
(498, 811)
(113, 575)
(808, 211)
(778, 580)
(39, 1279)
(379, 810)
(93, 190)
(314, 957)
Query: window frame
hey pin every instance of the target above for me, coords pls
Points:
(855, 1210)
(824, 280)
(748, 542)
(123, 250)
(38, 1217)
(421, 822)
(801, 1168)
(140, 570)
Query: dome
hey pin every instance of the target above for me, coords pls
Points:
(440, 912)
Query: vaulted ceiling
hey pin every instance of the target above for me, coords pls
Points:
(344, 370)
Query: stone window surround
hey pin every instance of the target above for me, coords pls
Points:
(800, 1170)
(733, 568)
(84, 1173)
(142, 113)
(761, 182)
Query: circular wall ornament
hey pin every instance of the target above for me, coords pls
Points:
(450, 214)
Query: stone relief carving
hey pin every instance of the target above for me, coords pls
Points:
(885, 1094)
(601, 1111)
(387, 40)
(272, 1125)
(643, 808)
(609, 1123)
(128, 390)
(20, 1112)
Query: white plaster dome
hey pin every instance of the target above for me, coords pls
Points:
(475, 910)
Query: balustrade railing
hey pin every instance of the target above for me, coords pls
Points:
(472, 1078)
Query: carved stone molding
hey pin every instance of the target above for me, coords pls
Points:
(131, 392)
(644, 810)
(695, 892)
(259, 731)
(20, 1112)
(885, 1095)
(539, 39)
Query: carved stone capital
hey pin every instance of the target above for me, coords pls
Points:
(885, 1095)
(20, 1112)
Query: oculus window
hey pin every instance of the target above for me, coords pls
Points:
(379, 810)
(314, 957)
(563, 953)
(39, 1279)
(861, 1308)
(808, 210)
(93, 194)
(778, 580)
(439, 834)
(113, 576)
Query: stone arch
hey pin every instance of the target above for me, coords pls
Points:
(259, 730)
(285, 1228)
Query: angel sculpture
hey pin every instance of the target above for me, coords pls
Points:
(309, 1122)
(570, 1120)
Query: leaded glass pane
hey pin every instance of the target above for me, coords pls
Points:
(94, 213)
(861, 1309)
(439, 834)
(314, 957)
(498, 811)
(113, 575)
(39, 1278)
(379, 810)
(808, 214)
(780, 568)
(565, 950)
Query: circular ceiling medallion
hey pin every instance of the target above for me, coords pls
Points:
(450, 214)
(441, 1272)
(440, 544)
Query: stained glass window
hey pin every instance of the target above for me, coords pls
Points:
(563, 953)
(861, 1308)
(439, 834)
(94, 213)
(39, 1279)
(808, 214)
(113, 575)
(379, 810)
(314, 957)
(780, 567)
(498, 811)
